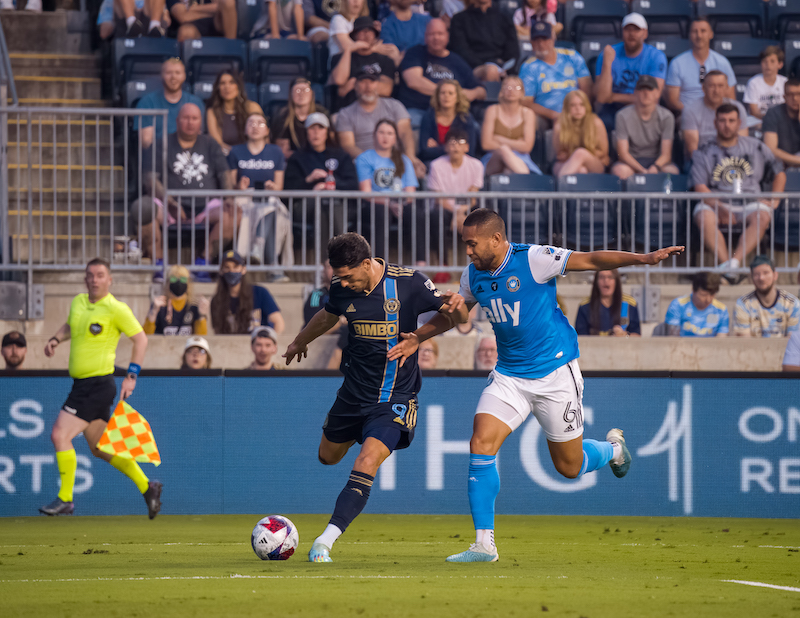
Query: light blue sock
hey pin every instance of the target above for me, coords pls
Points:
(482, 488)
(596, 454)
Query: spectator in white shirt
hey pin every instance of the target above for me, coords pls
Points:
(765, 90)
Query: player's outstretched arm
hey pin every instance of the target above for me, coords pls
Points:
(609, 260)
(137, 358)
(318, 325)
(61, 335)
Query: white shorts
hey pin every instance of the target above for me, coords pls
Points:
(555, 400)
(739, 212)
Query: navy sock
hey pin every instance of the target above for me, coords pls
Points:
(352, 500)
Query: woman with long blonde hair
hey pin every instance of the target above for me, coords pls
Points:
(508, 132)
(449, 108)
(579, 138)
(288, 128)
(176, 312)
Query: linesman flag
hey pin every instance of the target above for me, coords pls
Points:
(128, 435)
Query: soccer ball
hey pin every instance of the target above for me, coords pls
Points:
(274, 538)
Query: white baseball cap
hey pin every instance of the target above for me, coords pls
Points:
(264, 331)
(317, 118)
(637, 19)
(196, 341)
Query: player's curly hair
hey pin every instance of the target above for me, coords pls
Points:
(348, 250)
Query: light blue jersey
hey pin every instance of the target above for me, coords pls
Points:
(534, 338)
(548, 85)
(693, 322)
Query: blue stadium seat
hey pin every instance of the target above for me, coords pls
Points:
(525, 52)
(273, 96)
(565, 44)
(591, 222)
(742, 52)
(783, 18)
(138, 59)
(509, 7)
(279, 59)
(670, 45)
(527, 219)
(733, 16)
(664, 18)
(584, 18)
(319, 63)
(786, 229)
(591, 47)
(135, 90)
(206, 58)
(791, 65)
(667, 216)
(478, 108)
(247, 14)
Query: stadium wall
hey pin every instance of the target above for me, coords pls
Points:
(702, 446)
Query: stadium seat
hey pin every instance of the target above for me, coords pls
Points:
(667, 216)
(786, 229)
(206, 58)
(783, 18)
(273, 96)
(791, 65)
(585, 18)
(527, 218)
(203, 90)
(139, 59)
(525, 52)
(591, 222)
(279, 59)
(670, 45)
(733, 16)
(742, 52)
(247, 14)
(478, 108)
(135, 90)
(509, 7)
(591, 47)
(319, 63)
(665, 18)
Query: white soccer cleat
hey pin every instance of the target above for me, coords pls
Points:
(620, 465)
(476, 553)
(319, 553)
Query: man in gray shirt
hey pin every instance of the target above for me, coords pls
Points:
(644, 134)
(356, 123)
(697, 120)
(736, 165)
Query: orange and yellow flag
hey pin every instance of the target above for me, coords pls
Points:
(128, 435)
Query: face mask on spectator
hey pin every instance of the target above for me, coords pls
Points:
(178, 288)
(232, 278)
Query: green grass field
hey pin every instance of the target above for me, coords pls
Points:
(202, 566)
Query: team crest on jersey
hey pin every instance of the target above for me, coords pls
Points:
(95, 328)
(392, 305)
(494, 286)
(512, 283)
(188, 317)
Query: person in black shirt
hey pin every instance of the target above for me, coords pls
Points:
(377, 403)
(177, 311)
(486, 38)
(781, 126)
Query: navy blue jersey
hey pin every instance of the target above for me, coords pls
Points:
(375, 320)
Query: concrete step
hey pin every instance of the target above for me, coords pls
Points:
(58, 249)
(69, 225)
(102, 177)
(47, 102)
(55, 65)
(37, 87)
(61, 152)
(58, 32)
(22, 128)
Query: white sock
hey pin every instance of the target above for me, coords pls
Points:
(485, 538)
(154, 23)
(328, 538)
(617, 457)
(129, 21)
(734, 263)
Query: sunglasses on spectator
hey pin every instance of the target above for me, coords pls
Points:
(257, 123)
(200, 351)
(511, 87)
(301, 89)
(179, 280)
(462, 142)
(702, 72)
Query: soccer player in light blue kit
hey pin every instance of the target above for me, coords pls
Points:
(537, 369)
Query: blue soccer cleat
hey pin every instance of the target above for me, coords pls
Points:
(319, 553)
(619, 469)
(476, 553)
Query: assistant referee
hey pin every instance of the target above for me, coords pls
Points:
(95, 323)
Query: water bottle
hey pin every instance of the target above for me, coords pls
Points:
(397, 184)
(668, 184)
(330, 182)
(737, 184)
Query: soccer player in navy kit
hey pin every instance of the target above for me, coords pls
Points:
(537, 369)
(377, 403)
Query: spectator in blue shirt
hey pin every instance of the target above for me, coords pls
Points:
(620, 66)
(608, 311)
(172, 98)
(688, 70)
(550, 74)
(404, 28)
(699, 314)
(257, 164)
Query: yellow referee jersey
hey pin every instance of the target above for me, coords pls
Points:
(95, 329)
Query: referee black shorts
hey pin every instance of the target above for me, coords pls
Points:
(91, 398)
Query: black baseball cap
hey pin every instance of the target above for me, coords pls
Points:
(232, 256)
(541, 30)
(759, 260)
(364, 74)
(646, 81)
(14, 338)
(363, 23)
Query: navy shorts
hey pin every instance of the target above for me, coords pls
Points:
(392, 423)
(91, 398)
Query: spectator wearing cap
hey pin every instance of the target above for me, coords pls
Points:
(767, 311)
(404, 28)
(486, 38)
(196, 354)
(356, 123)
(239, 306)
(14, 349)
(620, 66)
(644, 134)
(264, 345)
(734, 164)
(688, 70)
(550, 74)
(424, 66)
(367, 53)
(697, 120)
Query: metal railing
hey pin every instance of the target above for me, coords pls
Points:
(6, 75)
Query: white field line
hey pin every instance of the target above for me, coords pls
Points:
(237, 576)
(761, 585)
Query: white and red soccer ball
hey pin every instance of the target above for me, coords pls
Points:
(274, 538)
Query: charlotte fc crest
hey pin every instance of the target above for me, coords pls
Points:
(512, 283)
